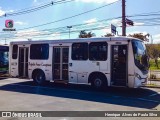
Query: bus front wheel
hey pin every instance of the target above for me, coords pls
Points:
(39, 77)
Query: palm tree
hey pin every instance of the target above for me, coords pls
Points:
(84, 34)
(140, 36)
(108, 35)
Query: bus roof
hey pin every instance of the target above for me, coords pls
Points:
(122, 38)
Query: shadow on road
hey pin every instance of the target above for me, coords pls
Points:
(112, 95)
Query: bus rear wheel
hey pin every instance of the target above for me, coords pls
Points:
(99, 82)
(39, 77)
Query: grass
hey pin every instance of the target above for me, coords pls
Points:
(3, 69)
(151, 85)
(153, 65)
(155, 79)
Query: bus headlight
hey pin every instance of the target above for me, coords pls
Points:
(138, 76)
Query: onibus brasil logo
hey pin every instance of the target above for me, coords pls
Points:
(9, 25)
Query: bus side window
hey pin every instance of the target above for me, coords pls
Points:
(98, 51)
(14, 51)
(39, 51)
(79, 51)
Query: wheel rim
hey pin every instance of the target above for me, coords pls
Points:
(39, 78)
(98, 82)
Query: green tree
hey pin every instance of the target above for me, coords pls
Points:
(154, 52)
(108, 35)
(140, 36)
(84, 34)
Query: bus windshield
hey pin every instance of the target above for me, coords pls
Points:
(140, 55)
(3, 56)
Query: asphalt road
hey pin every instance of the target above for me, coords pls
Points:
(23, 95)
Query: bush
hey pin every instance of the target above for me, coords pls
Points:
(153, 65)
(153, 76)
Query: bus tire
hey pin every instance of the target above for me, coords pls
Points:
(39, 77)
(99, 82)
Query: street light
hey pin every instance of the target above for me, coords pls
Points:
(5, 42)
(151, 39)
(149, 35)
(69, 27)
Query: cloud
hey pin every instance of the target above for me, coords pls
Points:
(34, 1)
(97, 1)
(106, 30)
(155, 27)
(38, 2)
(116, 22)
(2, 12)
(9, 11)
(91, 21)
(55, 34)
(138, 23)
(20, 23)
(34, 34)
(29, 33)
(156, 38)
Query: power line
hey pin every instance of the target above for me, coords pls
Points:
(87, 26)
(41, 35)
(77, 26)
(146, 19)
(65, 32)
(36, 8)
(70, 16)
(148, 13)
(144, 15)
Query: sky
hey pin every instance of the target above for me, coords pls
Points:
(97, 17)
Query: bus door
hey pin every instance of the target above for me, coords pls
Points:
(23, 62)
(60, 63)
(119, 66)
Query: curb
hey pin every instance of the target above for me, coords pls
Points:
(152, 86)
(154, 80)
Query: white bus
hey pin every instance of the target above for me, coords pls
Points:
(101, 62)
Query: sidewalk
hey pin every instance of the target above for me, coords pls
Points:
(153, 83)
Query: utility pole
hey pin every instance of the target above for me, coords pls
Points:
(151, 39)
(69, 27)
(123, 18)
(5, 42)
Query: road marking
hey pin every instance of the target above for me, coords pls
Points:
(148, 100)
(154, 94)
